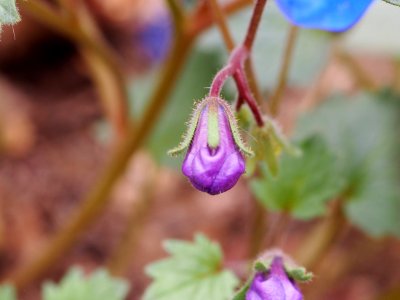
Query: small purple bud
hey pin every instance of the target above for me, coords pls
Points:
(274, 284)
(213, 162)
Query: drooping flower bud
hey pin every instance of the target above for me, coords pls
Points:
(214, 161)
(274, 284)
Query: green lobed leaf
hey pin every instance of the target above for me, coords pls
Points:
(193, 271)
(394, 2)
(363, 133)
(304, 183)
(8, 12)
(265, 150)
(7, 292)
(268, 143)
(75, 285)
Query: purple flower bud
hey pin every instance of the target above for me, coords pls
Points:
(274, 284)
(213, 162)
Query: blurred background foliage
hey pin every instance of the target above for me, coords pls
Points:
(336, 208)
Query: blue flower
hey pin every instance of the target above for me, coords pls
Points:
(154, 38)
(331, 15)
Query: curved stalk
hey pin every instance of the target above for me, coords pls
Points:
(98, 56)
(98, 197)
(276, 97)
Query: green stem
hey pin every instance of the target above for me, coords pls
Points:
(258, 229)
(362, 78)
(222, 24)
(97, 199)
(252, 79)
(322, 238)
(177, 12)
(125, 250)
(353, 255)
(205, 19)
(98, 56)
(108, 78)
(276, 97)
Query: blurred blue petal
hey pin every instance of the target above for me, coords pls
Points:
(331, 15)
(154, 38)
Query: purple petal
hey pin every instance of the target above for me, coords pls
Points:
(274, 285)
(213, 170)
(261, 289)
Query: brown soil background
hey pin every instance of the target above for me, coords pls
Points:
(53, 159)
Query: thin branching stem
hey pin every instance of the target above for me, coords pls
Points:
(98, 197)
(362, 78)
(204, 18)
(252, 79)
(284, 71)
(236, 63)
(244, 93)
(254, 23)
(178, 14)
(230, 45)
(99, 56)
(258, 223)
(323, 237)
(222, 25)
(110, 83)
(123, 253)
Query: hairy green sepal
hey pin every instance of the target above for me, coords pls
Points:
(212, 125)
(235, 129)
(191, 129)
(263, 265)
(213, 136)
(269, 143)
